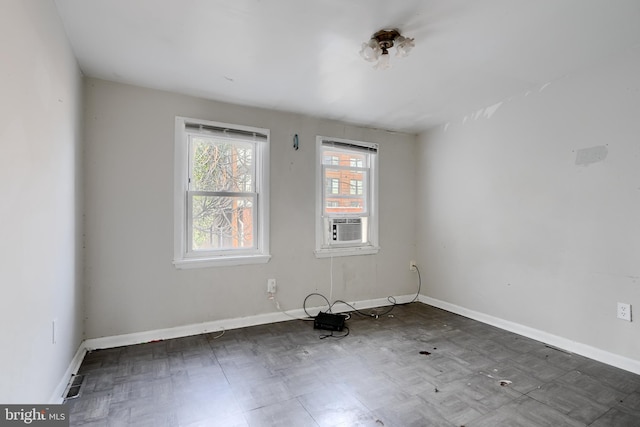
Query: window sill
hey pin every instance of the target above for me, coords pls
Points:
(335, 252)
(188, 263)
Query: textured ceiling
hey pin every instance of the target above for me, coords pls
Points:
(303, 56)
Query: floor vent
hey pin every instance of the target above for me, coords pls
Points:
(73, 389)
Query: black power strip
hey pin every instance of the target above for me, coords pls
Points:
(329, 321)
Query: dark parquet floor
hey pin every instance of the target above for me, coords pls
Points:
(417, 366)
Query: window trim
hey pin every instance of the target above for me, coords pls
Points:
(371, 202)
(182, 257)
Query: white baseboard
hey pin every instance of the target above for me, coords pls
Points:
(594, 353)
(612, 359)
(57, 396)
(226, 324)
(201, 328)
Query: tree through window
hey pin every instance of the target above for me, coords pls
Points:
(221, 193)
(221, 212)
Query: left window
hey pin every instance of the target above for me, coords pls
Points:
(221, 199)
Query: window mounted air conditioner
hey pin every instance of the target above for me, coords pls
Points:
(345, 230)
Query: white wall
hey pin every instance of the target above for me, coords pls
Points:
(132, 285)
(40, 220)
(510, 226)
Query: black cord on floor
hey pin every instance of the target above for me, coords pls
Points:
(335, 336)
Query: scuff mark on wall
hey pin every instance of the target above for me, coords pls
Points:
(490, 111)
(587, 156)
(633, 278)
(349, 277)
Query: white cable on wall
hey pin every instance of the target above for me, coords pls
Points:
(331, 280)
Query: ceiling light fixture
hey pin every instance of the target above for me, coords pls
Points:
(377, 48)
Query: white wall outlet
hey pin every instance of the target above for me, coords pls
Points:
(53, 331)
(624, 311)
(412, 266)
(271, 286)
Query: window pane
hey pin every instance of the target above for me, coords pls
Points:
(331, 158)
(221, 222)
(355, 186)
(220, 165)
(356, 162)
(335, 186)
(345, 190)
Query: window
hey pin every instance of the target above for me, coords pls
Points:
(331, 160)
(355, 186)
(346, 197)
(221, 194)
(333, 186)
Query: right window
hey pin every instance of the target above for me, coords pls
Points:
(346, 197)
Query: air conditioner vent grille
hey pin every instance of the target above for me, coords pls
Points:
(346, 230)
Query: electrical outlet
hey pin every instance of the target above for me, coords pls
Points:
(271, 286)
(624, 311)
(412, 266)
(53, 331)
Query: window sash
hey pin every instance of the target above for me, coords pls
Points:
(329, 195)
(360, 158)
(239, 147)
(223, 249)
(255, 243)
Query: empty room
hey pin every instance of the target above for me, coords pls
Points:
(329, 213)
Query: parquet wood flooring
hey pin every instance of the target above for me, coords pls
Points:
(418, 366)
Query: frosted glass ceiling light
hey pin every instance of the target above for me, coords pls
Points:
(370, 51)
(383, 63)
(403, 46)
(377, 48)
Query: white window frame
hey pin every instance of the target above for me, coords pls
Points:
(184, 258)
(370, 247)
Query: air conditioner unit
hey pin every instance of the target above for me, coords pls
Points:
(345, 230)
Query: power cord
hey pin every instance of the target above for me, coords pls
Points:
(335, 336)
(419, 285)
(277, 304)
(347, 316)
(304, 303)
(391, 299)
(219, 335)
